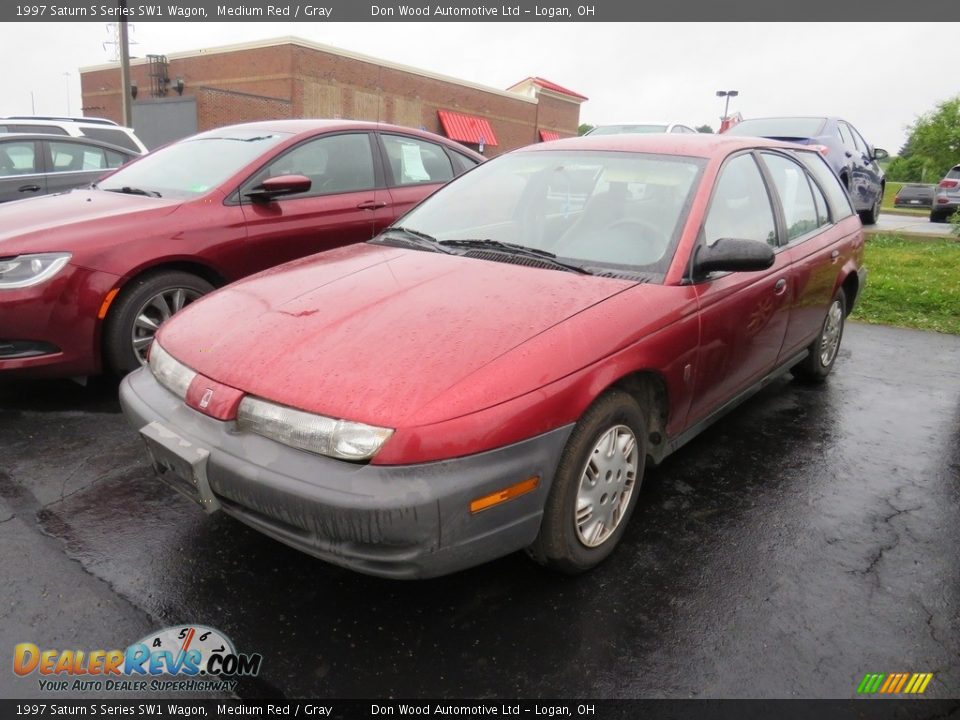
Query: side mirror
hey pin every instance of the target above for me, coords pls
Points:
(731, 255)
(279, 186)
(880, 154)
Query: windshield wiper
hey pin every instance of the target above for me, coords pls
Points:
(415, 237)
(127, 190)
(514, 249)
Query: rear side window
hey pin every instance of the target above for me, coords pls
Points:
(461, 163)
(796, 197)
(113, 136)
(17, 158)
(414, 161)
(836, 194)
(42, 129)
(740, 208)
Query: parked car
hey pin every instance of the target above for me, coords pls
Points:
(914, 195)
(947, 198)
(86, 277)
(94, 128)
(852, 158)
(32, 165)
(495, 371)
(641, 128)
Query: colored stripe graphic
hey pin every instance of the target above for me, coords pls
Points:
(894, 683)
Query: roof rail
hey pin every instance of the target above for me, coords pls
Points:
(90, 120)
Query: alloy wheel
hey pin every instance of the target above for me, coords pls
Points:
(155, 311)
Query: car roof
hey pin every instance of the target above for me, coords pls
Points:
(4, 136)
(704, 145)
(307, 125)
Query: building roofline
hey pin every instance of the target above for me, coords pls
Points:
(310, 45)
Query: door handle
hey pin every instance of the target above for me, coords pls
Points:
(780, 287)
(29, 188)
(371, 205)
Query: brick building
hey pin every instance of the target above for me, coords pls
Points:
(289, 77)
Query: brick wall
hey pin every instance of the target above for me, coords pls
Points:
(289, 80)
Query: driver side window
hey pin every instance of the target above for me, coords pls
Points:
(740, 208)
(334, 164)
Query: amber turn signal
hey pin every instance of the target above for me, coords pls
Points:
(508, 493)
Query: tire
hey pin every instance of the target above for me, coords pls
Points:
(870, 217)
(570, 546)
(136, 299)
(824, 350)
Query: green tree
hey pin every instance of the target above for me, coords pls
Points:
(584, 129)
(704, 129)
(933, 144)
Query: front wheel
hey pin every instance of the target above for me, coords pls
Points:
(823, 351)
(596, 486)
(143, 305)
(870, 217)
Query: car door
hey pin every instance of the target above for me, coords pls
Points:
(21, 170)
(870, 175)
(415, 168)
(812, 248)
(743, 316)
(73, 164)
(339, 209)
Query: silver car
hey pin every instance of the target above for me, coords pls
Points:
(947, 199)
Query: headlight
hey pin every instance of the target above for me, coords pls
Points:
(25, 271)
(172, 374)
(306, 431)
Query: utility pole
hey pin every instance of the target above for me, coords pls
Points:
(125, 98)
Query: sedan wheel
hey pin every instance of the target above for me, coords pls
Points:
(142, 306)
(155, 311)
(595, 487)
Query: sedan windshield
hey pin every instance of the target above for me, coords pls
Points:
(190, 167)
(594, 210)
(778, 127)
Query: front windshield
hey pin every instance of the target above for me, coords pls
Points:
(628, 129)
(597, 210)
(191, 167)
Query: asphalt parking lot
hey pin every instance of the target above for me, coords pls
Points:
(808, 538)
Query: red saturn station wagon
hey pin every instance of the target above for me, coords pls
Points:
(494, 372)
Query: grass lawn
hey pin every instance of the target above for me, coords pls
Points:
(912, 284)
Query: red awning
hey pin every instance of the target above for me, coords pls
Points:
(546, 135)
(467, 128)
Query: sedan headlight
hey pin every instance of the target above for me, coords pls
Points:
(26, 271)
(316, 433)
(172, 374)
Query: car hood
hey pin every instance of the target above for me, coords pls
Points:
(373, 333)
(61, 221)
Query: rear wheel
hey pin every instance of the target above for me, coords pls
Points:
(143, 305)
(596, 486)
(823, 351)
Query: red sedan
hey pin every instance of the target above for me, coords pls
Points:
(495, 372)
(86, 277)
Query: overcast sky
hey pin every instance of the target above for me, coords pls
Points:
(879, 76)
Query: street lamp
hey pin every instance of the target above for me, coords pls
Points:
(727, 94)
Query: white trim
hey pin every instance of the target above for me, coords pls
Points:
(310, 45)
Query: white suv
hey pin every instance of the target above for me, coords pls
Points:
(97, 128)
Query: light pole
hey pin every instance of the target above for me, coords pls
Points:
(727, 94)
(66, 77)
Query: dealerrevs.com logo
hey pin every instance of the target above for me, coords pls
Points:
(190, 658)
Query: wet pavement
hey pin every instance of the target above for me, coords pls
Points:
(808, 538)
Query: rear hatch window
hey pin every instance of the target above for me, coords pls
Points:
(784, 128)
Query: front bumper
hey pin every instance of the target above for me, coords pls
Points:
(408, 521)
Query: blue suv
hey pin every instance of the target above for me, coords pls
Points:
(852, 158)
